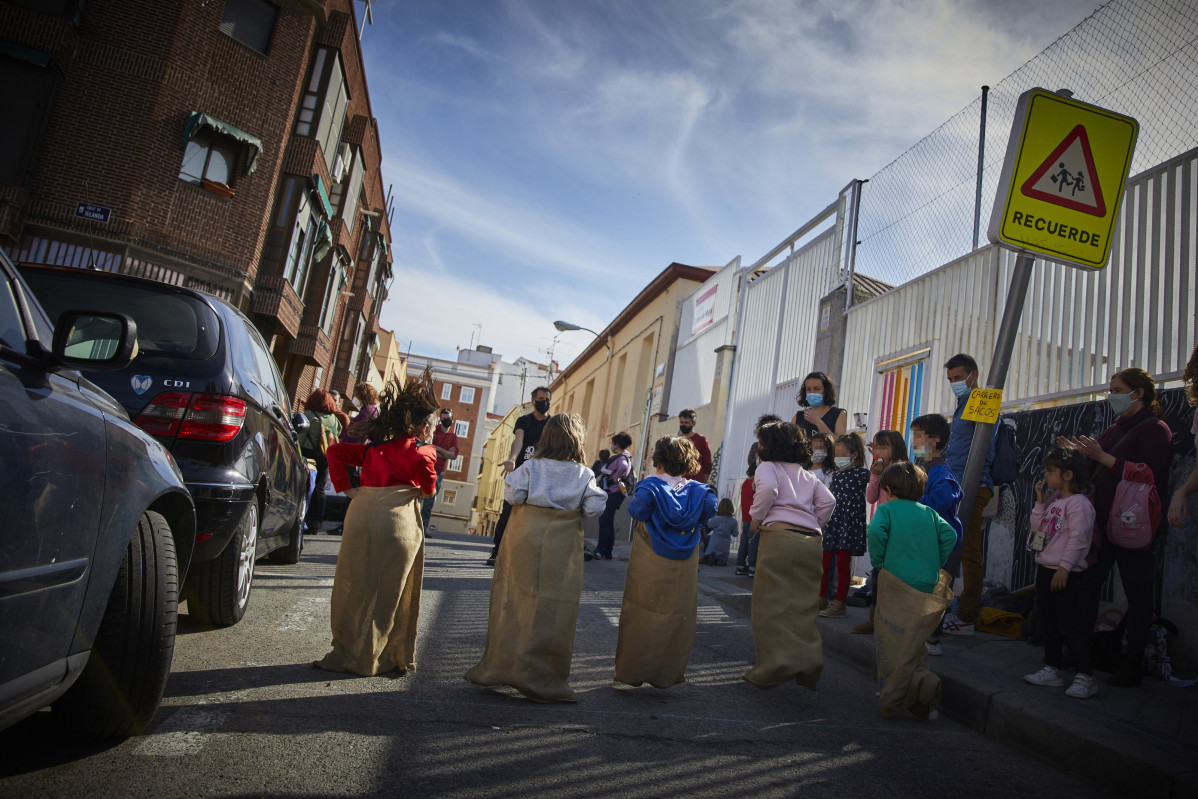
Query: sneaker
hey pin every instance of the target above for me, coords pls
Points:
(933, 647)
(742, 570)
(954, 626)
(1083, 687)
(1047, 676)
(835, 610)
(491, 561)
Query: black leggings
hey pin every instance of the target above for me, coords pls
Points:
(1062, 619)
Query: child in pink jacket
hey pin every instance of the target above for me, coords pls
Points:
(1062, 524)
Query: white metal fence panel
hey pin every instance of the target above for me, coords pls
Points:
(752, 379)
(815, 271)
(1077, 327)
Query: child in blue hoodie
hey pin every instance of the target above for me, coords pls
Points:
(661, 587)
(929, 439)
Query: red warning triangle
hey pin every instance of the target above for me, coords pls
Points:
(1067, 177)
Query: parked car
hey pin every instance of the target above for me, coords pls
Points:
(206, 386)
(98, 527)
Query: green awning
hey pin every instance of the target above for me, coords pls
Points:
(324, 240)
(35, 57)
(199, 121)
(324, 196)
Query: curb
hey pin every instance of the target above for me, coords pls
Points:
(1104, 751)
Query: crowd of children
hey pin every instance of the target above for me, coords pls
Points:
(804, 515)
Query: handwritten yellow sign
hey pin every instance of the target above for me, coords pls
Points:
(983, 405)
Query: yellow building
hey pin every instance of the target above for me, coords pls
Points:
(616, 383)
(496, 449)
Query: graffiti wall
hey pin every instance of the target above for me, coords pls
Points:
(1009, 562)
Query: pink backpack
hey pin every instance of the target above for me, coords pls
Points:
(1136, 511)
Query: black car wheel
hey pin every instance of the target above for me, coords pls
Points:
(295, 541)
(120, 688)
(218, 591)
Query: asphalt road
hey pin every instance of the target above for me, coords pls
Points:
(246, 715)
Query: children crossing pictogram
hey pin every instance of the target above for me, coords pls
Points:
(1068, 178)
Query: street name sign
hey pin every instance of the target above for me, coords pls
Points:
(1063, 179)
(96, 212)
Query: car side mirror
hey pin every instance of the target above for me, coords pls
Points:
(95, 340)
(299, 422)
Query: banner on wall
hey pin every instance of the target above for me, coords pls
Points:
(704, 311)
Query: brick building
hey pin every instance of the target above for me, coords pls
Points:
(468, 390)
(227, 146)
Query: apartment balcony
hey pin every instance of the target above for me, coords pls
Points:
(274, 297)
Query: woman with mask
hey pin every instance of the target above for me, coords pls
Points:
(366, 400)
(1137, 436)
(817, 408)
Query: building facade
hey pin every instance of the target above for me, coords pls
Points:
(225, 146)
(610, 383)
(466, 389)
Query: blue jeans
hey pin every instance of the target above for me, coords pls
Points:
(607, 525)
(746, 550)
(426, 506)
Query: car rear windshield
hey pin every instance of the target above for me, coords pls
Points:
(168, 323)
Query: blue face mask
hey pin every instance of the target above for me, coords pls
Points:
(921, 452)
(1119, 403)
(815, 400)
(842, 462)
(960, 388)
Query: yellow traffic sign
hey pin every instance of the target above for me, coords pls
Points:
(1063, 179)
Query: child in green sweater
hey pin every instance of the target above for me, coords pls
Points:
(908, 542)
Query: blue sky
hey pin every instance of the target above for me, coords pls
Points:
(549, 157)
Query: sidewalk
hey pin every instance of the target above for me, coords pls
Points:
(1132, 741)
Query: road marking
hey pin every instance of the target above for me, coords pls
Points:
(304, 612)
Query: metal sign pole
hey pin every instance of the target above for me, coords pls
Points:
(979, 448)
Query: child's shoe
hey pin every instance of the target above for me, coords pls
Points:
(1083, 687)
(933, 647)
(866, 627)
(1047, 676)
(835, 610)
(954, 626)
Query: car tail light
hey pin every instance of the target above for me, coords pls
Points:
(213, 418)
(197, 417)
(164, 413)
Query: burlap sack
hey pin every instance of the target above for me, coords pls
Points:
(904, 619)
(376, 588)
(785, 606)
(657, 616)
(534, 604)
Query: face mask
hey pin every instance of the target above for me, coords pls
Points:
(842, 463)
(357, 403)
(683, 429)
(815, 400)
(960, 388)
(1119, 402)
(447, 423)
(542, 406)
(921, 452)
(818, 456)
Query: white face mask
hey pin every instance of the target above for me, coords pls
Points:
(357, 403)
(819, 455)
(843, 463)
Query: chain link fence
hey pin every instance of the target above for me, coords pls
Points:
(1138, 57)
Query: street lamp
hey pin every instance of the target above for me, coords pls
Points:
(568, 326)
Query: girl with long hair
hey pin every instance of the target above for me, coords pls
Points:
(380, 567)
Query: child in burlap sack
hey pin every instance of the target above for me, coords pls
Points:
(907, 544)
